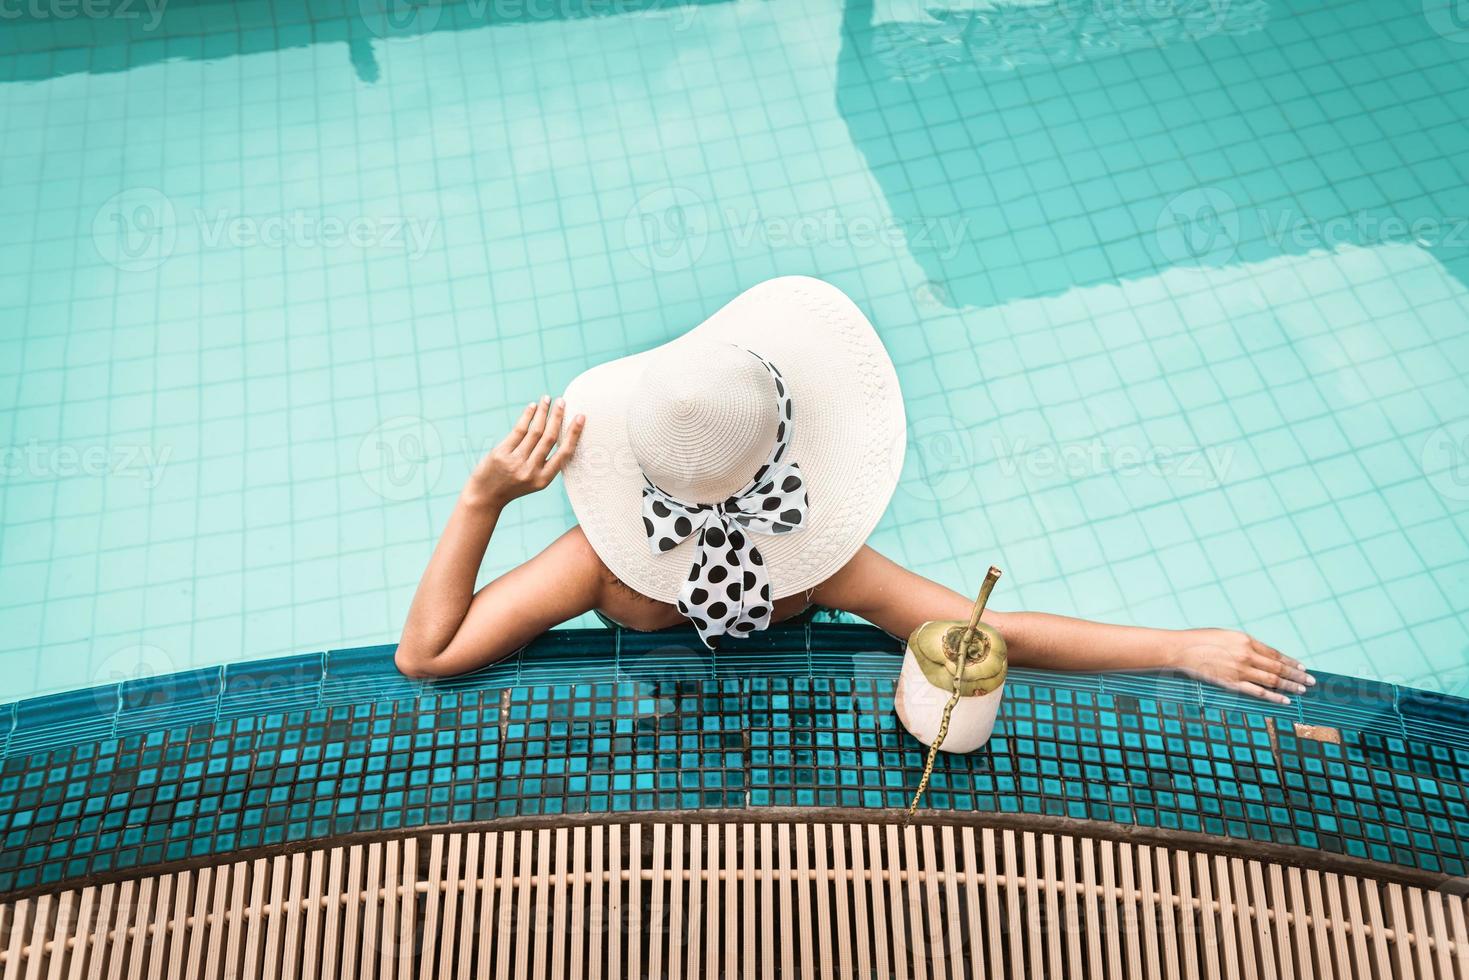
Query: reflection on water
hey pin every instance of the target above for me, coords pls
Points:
(1064, 168)
(916, 38)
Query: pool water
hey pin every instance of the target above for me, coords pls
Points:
(1178, 292)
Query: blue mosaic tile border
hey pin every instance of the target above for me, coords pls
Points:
(213, 761)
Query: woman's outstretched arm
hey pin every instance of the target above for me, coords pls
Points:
(898, 601)
(451, 629)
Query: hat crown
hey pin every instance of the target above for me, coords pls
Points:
(701, 420)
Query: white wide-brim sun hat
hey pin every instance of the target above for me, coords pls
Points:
(699, 416)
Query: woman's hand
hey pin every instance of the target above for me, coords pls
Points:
(523, 463)
(1239, 662)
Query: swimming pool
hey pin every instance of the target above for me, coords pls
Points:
(1178, 295)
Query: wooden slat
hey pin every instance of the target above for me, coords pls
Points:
(560, 909)
(1110, 901)
(311, 938)
(870, 858)
(1444, 962)
(1208, 920)
(212, 937)
(1030, 874)
(66, 926)
(1419, 930)
(1320, 940)
(1331, 885)
(19, 915)
(1071, 907)
(579, 932)
(256, 923)
(505, 902)
(671, 926)
(342, 871)
(892, 861)
(1091, 886)
(1149, 910)
(371, 936)
(236, 927)
(1361, 958)
(634, 902)
(859, 901)
(1190, 920)
(954, 925)
(909, 862)
(826, 965)
(714, 864)
(747, 942)
(1014, 924)
(1402, 948)
(617, 912)
(1260, 907)
(481, 869)
(459, 892)
(527, 916)
(1245, 929)
(35, 956)
(270, 966)
(767, 904)
(291, 938)
(732, 951)
(1284, 949)
(803, 933)
(117, 934)
(81, 933)
(975, 923)
(657, 911)
(1229, 939)
(1163, 859)
(1131, 926)
(434, 956)
(162, 929)
(137, 925)
(1381, 960)
(1457, 922)
(1055, 904)
(785, 908)
(600, 924)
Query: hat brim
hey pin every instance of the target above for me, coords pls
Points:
(849, 438)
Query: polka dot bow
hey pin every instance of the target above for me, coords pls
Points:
(728, 590)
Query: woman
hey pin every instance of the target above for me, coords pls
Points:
(729, 479)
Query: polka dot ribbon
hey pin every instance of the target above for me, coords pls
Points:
(728, 590)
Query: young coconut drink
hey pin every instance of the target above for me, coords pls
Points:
(953, 679)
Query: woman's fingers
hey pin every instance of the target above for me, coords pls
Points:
(1289, 666)
(551, 434)
(568, 446)
(1255, 690)
(537, 426)
(522, 426)
(1285, 676)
